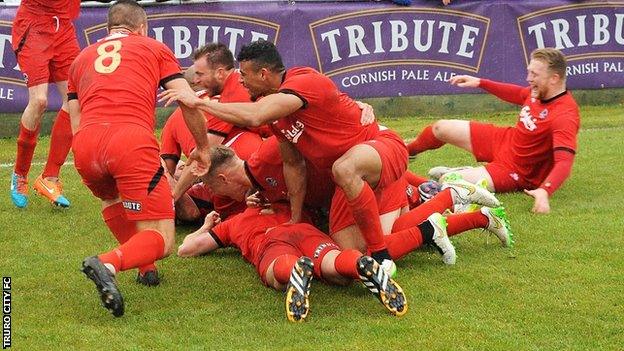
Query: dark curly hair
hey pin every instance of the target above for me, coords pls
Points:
(263, 54)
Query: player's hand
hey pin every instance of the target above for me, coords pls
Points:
(465, 81)
(199, 161)
(255, 200)
(186, 97)
(541, 204)
(446, 2)
(368, 115)
(212, 219)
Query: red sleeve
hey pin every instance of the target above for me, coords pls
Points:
(565, 129)
(560, 172)
(168, 65)
(221, 233)
(302, 86)
(511, 93)
(72, 93)
(217, 126)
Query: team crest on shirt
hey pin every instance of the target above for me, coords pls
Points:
(271, 181)
(294, 132)
(543, 114)
(527, 119)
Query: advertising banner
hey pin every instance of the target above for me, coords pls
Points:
(373, 49)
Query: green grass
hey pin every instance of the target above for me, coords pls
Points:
(559, 288)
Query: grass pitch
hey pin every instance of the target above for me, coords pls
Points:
(560, 288)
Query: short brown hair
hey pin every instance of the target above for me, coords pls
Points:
(126, 13)
(216, 54)
(555, 60)
(219, 156)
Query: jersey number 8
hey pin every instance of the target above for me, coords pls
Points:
(112, 54)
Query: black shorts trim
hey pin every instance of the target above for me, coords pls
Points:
(155, 179)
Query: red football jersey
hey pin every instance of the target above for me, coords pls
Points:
(176, 139)
(233, 91)
(328, 123)
(116, 79)
(63, 9)
(543, 126)
(247, 230)
(266, 171)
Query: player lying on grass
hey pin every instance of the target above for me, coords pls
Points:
(233, 177)
(287, 256)
(535, 155)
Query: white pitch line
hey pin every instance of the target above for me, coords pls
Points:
(10, 165)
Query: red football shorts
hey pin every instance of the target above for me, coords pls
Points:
(45, 48)
(122, 160)
(299, 239)
(389, 198)
(491, 144)
(394, 156)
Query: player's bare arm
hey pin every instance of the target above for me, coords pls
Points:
(197, 126)
(242, 114)
(73, 107)
(465, 81)
(200, 241)
(295, 177)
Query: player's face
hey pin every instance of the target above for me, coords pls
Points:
(207, 77)
(254, 80)
(226, 186)
(539, 78)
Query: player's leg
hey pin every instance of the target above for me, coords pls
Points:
(27, 141)
(349, 171)
(493, 219)
(48, 183)
(453, 132)
(432, 231)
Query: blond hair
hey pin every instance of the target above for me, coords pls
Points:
(555, 60)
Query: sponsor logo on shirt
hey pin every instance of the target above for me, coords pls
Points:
(132, 205)
(271, 181)
(294, 132)
(527, 119)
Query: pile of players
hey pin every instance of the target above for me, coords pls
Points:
(285, 167)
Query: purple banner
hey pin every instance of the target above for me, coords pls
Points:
(377, 49)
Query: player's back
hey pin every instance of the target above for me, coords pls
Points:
(116, 79)
(63, 9)
(329, 122)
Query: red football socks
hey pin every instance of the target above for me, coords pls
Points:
(425, 141)
(60, 144)
(346, 263)
(366, 215)
(283, 267)
(26, 143)
(414, 179)
(459, 223)
(403, 242)
(116, 220)
(439, 203)
(144, 248)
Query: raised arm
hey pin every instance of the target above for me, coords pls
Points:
(201, 241)
(511, 93)
(243, 114)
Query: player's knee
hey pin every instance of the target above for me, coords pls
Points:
(39, 103)
(343, 171)
(440, 128)
(170, 247)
